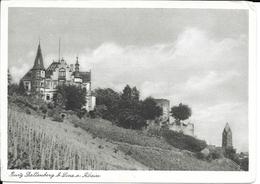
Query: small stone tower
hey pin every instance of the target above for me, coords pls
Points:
(227, 137)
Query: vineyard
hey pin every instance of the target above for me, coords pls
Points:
(35, 144)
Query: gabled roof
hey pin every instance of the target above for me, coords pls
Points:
(38, 62)
(28, 75)
(50, 69)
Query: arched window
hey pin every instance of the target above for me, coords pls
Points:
(62, 73)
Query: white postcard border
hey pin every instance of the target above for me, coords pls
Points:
(134, 176)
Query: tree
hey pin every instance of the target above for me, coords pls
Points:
(72, 97)
(21, 88)
(150, 110)
(129, 119)
(9, 78)
(110, 99)
(127, 93)
(181, 112)
(13, 88)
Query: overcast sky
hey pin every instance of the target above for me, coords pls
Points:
(197, 57)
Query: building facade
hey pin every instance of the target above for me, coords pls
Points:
(227, 137)
(44, 82)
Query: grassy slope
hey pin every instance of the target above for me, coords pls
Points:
(105, 146)
(75, 142)
(151, 151)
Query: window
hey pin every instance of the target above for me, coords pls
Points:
(62, 72)
(55, 83)
(47, 85)
(38, 74)
(27, 86)
(48, 97)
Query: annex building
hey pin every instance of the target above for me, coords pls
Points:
(44, 81)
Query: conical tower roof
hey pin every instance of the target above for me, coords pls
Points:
(227, 128)
(38, 62)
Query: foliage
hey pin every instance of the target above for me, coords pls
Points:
(13, 89)
(70, 96)
(57, 117)
(9, 78)
(181, 112)
(106, 130)
(182, 141)
(244, 164)
(107, 103)
(230, 153)
(27, 111)
(131, 120)
(21, 88)
(44, 108)
(126, 109)
(150, 110)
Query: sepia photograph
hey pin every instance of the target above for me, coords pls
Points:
(127, 89)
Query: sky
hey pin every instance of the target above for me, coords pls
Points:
(197, 57)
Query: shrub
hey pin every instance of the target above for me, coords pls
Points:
(215, 154)
(43, 108)
(181, 141)
(57, 117)
(200, 156)
(50, 105)
(244, 164)
(50, 113)
(27, 111)
(154, 130)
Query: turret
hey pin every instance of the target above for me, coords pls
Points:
(38, 62)
(77, 68)
(227, 137)
(38, 71)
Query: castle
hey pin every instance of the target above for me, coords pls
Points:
(44, 82)
(166, 119)
(227, 137)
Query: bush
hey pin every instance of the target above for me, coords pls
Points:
(200, 156)
(154, 130)
(50, 113)
(57, 117)
(43, 108)
(50, 105)
(244, 164)
(181, 141)
(128, 119)
(27, 111)
(215, 154)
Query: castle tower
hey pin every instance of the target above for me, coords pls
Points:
(38, 72)
(227, 137)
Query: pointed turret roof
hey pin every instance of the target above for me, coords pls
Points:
(38, 62)
(227, 128)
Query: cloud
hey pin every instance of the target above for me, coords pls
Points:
(18, 71)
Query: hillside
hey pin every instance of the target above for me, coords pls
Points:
(37, 143)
